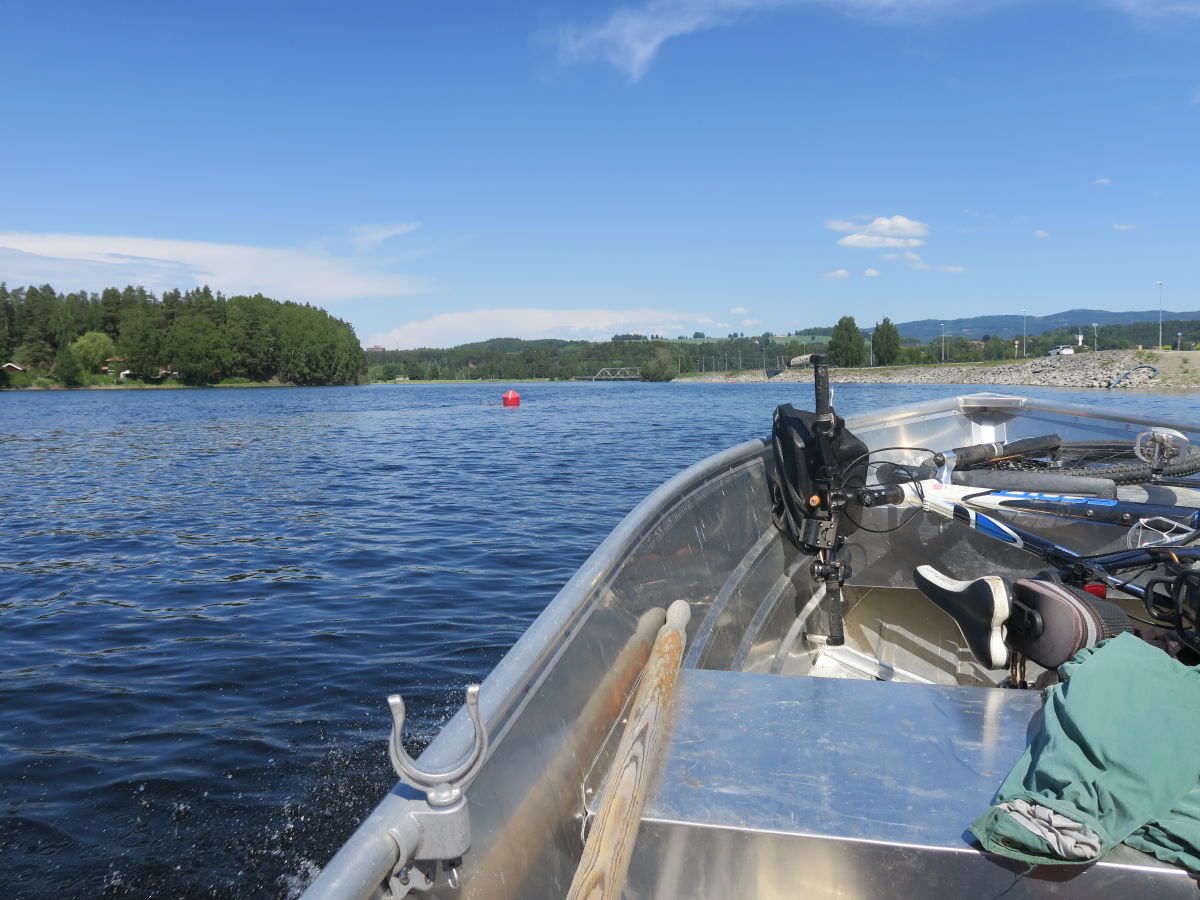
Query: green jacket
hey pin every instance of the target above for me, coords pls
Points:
(1117, 760)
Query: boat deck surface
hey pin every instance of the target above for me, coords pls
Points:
(799, 786)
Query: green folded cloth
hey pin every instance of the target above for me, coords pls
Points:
(1117, 759)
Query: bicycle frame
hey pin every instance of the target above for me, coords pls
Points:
(966, 506)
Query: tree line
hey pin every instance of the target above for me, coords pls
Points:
(661, 359)
(657, 358)
(195, 337)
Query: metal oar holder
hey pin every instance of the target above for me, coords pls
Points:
(437, 828)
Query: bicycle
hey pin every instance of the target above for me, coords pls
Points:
(821, 486)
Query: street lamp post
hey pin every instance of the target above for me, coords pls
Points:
(1160, 284)
(1179, 340)
(1095, 338)
(1024, 340)
(943, 324)
(871, 348)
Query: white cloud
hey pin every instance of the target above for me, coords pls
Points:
(881, 226)
(1123, 226)
(836, 275)
(1102, 182)
(1041, 234)
(750, 323)
(368, 237)
(73, 262)
(468, 326)
(871, 273)
(914, 261)
(739, 311)
(896, 226)
(882, 232)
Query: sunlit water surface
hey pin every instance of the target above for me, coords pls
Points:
(206, 595)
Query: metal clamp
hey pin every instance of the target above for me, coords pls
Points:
(441, 788)
(405, 877)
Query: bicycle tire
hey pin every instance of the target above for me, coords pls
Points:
(1112, 459)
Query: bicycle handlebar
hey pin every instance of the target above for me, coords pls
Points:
(975, 454)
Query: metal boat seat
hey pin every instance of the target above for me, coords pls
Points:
(797, 787)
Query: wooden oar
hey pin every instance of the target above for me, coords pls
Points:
(609, 847)
(554, 797)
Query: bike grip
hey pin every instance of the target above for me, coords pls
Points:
(820, 364)
(883, 495)
(980, 453)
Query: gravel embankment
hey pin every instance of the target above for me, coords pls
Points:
(1082, 370)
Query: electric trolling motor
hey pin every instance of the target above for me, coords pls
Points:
(819, 467)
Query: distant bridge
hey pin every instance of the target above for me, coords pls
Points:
(618, 373)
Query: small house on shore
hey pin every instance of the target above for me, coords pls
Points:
(13, 367)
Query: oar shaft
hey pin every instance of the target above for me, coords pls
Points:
(609, 847)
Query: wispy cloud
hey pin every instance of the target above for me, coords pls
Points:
(871, 273)
(1157, 9)
(1123, 226)
(914, 261)
(739, 311)
(631, 36)
(841, 225)
(1041, 234)
(76, 261)
(368, 237)
(1102, 182)
(468, 326)
(836, 275)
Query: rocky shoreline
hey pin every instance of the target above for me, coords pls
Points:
(1116, 369)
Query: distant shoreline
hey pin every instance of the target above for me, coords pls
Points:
(1177, 371)
(1164, 371)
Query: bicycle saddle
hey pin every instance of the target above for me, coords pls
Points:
(1040, 619)
(979, 607)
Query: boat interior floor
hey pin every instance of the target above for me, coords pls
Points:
(892, 634)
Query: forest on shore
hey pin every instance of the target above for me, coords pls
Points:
(192, 337)
(658, 358)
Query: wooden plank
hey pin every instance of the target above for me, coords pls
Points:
(609, 847)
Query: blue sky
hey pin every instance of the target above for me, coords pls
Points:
(436, 173)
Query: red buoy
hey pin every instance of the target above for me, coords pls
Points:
(512, 398)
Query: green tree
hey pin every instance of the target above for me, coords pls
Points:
(66, 367)
(846, 344)
(886, 343)
(141, 341)
(252, 330)
(660, 366)
(197, 349)
(91, 350)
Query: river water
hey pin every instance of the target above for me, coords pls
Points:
(206, 595)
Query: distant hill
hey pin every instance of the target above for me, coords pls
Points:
(1010, 326)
